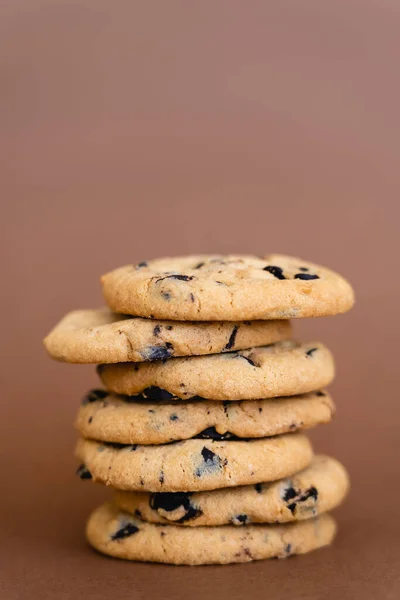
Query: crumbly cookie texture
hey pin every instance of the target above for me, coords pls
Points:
(318, 488)
(136, 420)
(227, 288)
(101, 336)
(193, 465)
(121, 535)
(281, 369)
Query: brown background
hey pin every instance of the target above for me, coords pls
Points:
(136, 129)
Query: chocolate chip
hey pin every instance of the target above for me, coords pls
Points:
(166, 295)
(297, 497)
(158, 352)
(125, 531)
(232, 337)
(170, 501)
(212, 434)
(201, 264)
(94, 395)
(169, 327)
(134, 447)
(173, 417)
(155, 393)
(115, 445)
(311, 351)
(90, 419)
(138, 513)
(248, 359)
(240, 519)
(156, 330)
(161, 477)
(83, 472)
(259, 409)
(306, 276)
(191, 296)
(225, 404)
(208, 455)
(304, 269)
(275, 271)
(178, 277)
(288, 548)
(258, 488)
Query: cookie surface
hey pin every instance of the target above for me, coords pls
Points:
(227, 288)
(120, 535)
(193, 465)
(101, 336)
(318, 488)
(131, 420)
(281, 369)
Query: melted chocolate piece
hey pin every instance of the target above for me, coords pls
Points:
(158, 352)
(292, 494)
(83, 472)
(306, 276)
(275, 271)
(212, 434)
(170, 501)
(311, 351)
(94, 395)
(125, 531)
(232, 337)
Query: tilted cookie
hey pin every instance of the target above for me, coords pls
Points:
(318, 488)
(121, 535)
(281, 369)
(227, 288)
(100, 336)
(193, 465)
(135, 420)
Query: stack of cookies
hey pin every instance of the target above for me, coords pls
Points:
(199, 427)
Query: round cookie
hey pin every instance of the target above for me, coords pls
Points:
(193, 465)
(318, 488)
(100, 336)
(119, 534)
(135, 420)
(282, 369)
(227, 288)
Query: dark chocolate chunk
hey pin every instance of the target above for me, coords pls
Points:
(94, 395)
(242, 519)
(161, 477)
(83, 472)
(304, 269)
(248, 359)
(232, 337)
(297, 497)
(209, 455)
(166, 295)
(170, 501)
(311, 351)
(158, 352)
(157, 330)
(125, 531)
(306, 276)
(178, 277)
(142, 264)
(115, 445)
(275, 271)
(173, 417)
(225, 404)
(288, 548)
(212, 434)
(156, 393)
(134, 447)
(169, 327)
